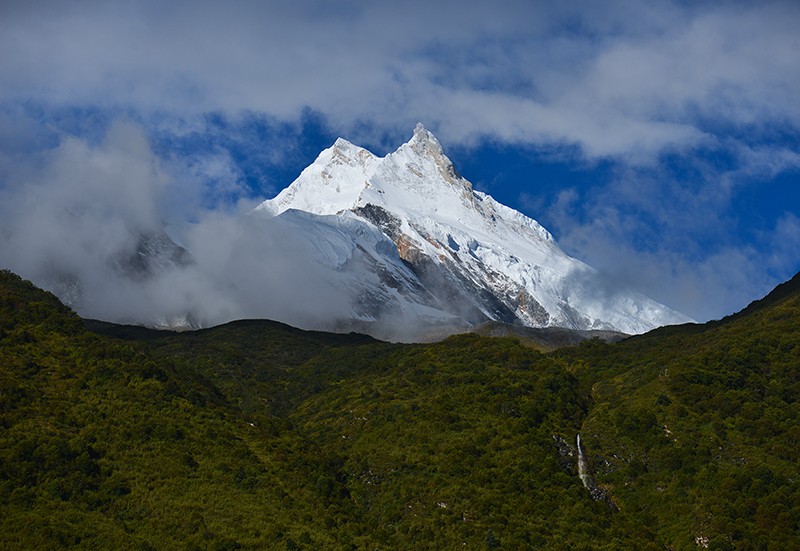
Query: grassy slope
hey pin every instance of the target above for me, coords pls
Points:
(257, 435)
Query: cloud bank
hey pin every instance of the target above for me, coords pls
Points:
(622, 78)
(73, 222)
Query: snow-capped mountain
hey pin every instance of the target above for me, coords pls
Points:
(436, 251)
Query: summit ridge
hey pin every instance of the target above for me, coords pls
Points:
(465, 259)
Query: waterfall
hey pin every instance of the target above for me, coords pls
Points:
(595, 491)
(583, 468)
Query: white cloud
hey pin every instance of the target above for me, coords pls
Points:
(784, 244)
(630, 78)
(71, 220)
(678, 242)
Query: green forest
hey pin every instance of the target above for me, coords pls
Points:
(257, 435)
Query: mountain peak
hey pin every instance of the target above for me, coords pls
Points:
(422, 132)
(472, 257)
(423, 142)
(341, 143)
(424, 149)
(343, 149)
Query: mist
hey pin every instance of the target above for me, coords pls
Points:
(72, 219)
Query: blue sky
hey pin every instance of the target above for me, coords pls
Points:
(658, 141)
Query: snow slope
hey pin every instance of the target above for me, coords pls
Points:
(455, 255)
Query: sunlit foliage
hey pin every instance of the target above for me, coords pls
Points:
(255, 435)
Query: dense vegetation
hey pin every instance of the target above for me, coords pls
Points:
(256, 435)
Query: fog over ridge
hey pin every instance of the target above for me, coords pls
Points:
(69, 222)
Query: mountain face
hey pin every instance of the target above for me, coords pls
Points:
(145, 256)
(438, 252)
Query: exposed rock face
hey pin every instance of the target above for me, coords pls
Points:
(155, 252)
(585, 475)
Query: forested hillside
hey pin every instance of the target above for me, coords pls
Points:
(255, 435)
(697, 428)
